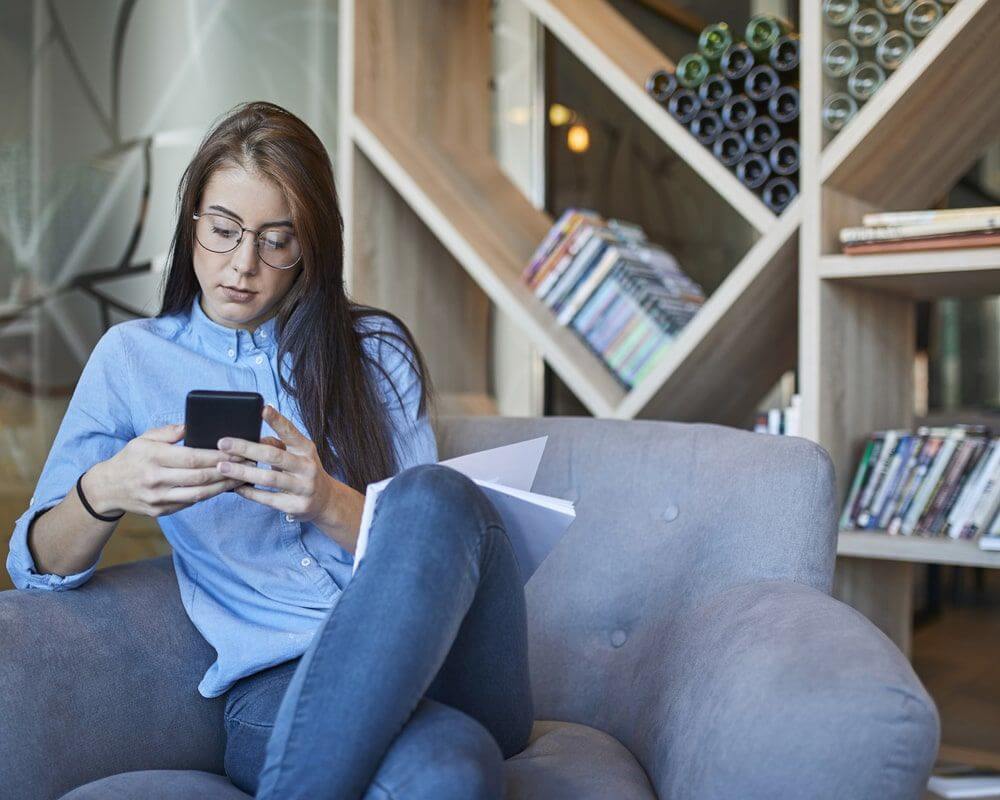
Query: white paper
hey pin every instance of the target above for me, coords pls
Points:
(983, 786)
(534, 522)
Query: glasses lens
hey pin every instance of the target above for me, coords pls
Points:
(216, 233)
(278, 247)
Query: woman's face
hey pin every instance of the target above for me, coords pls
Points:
(252, 201)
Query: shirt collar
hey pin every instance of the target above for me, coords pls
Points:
(231, 343)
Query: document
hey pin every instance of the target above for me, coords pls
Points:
(534, 522)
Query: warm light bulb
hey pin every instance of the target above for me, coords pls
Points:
(578, 138)
(559, 115)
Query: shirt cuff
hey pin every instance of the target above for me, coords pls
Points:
(21, 566)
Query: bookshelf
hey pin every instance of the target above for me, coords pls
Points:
(903, 150)
(415, 161)
(436, 232)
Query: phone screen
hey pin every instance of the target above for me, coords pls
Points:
(210, 415)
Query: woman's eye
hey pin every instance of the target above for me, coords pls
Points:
(227, 232)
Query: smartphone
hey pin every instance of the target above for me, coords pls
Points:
(209, 415)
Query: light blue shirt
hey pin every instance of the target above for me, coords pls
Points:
(255, 583)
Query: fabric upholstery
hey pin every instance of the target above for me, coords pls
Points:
(685, 615)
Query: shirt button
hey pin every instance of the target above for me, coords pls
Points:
(259, 359)
(289, 518)
(305, 562)
(263, 335)
(231, 352)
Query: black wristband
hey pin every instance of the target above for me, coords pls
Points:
(86, 505)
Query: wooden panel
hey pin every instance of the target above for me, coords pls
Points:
(922, 549)
(928, 274)
(930, 120)
(736, 346)
(423, 67)
(411, 274)
(622, 58)
(491, 229)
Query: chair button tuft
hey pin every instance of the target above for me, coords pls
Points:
(670, 513)
(618, 637)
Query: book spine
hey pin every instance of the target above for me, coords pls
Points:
(905, 472)
(578, 270)
(555, 233)
(929, 485)
(588, 285)
(582, 237)
(943, 228)
(949, 487)
(892, 478)
(859, 475)
(961, 511)
(927, 453)
(990, 496)
(878, 475)
(887, 218)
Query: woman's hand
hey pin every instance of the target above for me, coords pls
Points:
(301, 485)
(151, 476)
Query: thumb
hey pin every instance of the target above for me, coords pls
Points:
(167, 433)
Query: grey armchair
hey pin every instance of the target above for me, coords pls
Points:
(683, 643)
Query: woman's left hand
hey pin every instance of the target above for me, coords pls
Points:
(302, 486)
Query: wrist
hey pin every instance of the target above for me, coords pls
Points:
(341, 519)
(98, 487)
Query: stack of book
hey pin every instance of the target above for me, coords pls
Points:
(939, 481)
(904, 231)
(783, 421)
(624, 296)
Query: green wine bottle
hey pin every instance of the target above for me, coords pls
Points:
(921, 17)
(714, 41)
(763, 30)
(692, 69)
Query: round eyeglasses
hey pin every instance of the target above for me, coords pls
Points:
(277, 247)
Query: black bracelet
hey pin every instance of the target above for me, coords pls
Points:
(86, 505)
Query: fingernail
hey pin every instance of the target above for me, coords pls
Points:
(224, 466)
(225, 444)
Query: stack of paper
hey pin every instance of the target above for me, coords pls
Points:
(534, 522)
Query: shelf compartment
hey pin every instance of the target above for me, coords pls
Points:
(622, 61)
(491, 229)
(926, 274)
(930, 119)
(920, 549)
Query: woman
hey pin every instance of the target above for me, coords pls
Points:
(408, 679)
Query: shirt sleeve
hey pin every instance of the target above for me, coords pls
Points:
(414, 441)
(97, 424)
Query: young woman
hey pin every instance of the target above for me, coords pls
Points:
(409, 679)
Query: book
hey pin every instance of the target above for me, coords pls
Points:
(951, 242)
(942, 227)
(884, 218)
(534, 522)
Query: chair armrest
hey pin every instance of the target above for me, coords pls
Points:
(777, 690)
(103, 679)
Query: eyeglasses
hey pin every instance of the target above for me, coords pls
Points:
(277, 247)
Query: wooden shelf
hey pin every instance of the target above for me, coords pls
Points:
(622, 58)
(921, 549)
(932, 117)
(922, 275)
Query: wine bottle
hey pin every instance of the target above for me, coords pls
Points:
(783, 105)
(839, 58)
(714, 91)
(660, 85)
(921, 17)
(784, 157)
(890, 7)
(761, 82)
(867, 27)
(892, 49)
(865, 80)
(838, 109)
(778, 193)
(762, 134)
(736, 62)
(714, 41)
(738, 111)
(691, 70)
(684, 105)
(729, 148)
(839, 12)
(763, 30)
(706, 127)
(784, 53)
(753, 170)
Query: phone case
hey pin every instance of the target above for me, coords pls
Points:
(209, 415)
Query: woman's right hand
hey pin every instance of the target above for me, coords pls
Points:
(152, 476)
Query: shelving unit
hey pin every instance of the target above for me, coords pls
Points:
(416, 161)
(904, 149)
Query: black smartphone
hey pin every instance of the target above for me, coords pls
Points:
(209, 415)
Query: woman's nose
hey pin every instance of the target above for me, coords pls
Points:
(245, 255)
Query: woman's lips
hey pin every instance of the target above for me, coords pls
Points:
(237, 296)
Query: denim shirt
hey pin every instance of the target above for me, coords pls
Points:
(254, 583)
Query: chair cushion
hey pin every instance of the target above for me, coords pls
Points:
(563, 761)
(567, 761)
(159, 784)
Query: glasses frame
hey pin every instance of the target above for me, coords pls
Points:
(257, 239)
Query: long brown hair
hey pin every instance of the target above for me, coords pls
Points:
(334, 377)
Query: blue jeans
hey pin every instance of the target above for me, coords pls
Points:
(416, 684)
